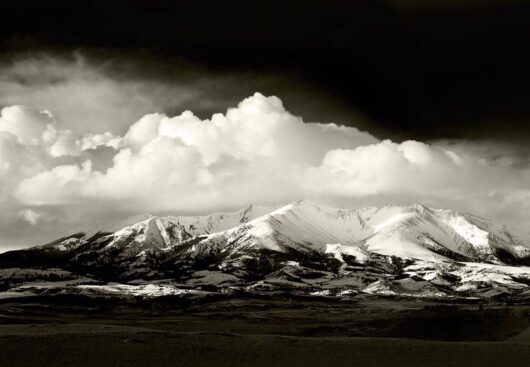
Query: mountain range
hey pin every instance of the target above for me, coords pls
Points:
(300, 248)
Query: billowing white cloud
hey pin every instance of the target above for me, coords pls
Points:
(392, 168)
(251, 153)
(28, 125)
(256, 152)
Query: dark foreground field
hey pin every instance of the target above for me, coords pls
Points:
(263, 332)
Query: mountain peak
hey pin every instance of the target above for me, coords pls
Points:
(117, 225)
(421, 207)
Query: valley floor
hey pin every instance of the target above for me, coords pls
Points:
(126, 348)
(366, 331)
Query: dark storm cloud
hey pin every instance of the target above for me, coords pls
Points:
(442, 69)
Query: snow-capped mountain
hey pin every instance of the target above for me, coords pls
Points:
(388, 250)
(415, 232)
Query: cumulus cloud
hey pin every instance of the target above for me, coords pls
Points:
(255, 152)
(28, 125)
(388, 167)
(251, 153)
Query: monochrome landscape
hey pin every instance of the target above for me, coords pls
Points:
(265, 183)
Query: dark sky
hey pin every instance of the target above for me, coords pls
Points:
(420, 69)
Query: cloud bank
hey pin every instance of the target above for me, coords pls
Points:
(257, 152)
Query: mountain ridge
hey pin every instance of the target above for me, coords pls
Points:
(301, 245)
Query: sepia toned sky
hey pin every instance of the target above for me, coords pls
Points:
(111, 109)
